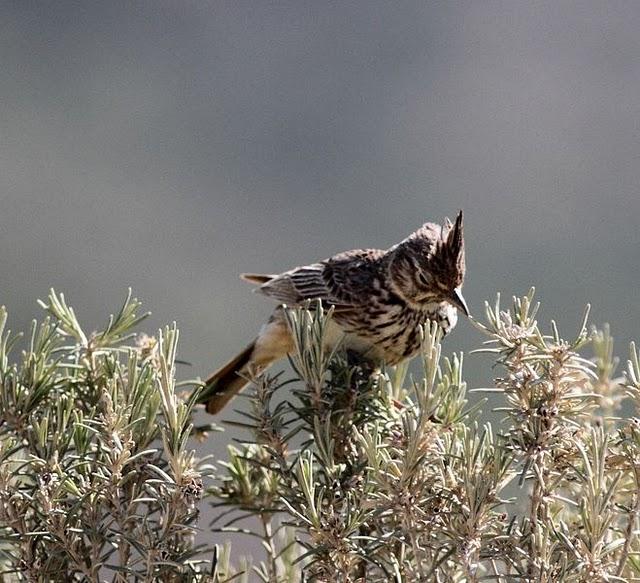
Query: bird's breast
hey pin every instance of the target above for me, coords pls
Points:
(387, 332)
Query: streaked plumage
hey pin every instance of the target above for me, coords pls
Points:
(380, 300)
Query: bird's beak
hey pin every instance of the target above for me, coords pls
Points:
(456, 298)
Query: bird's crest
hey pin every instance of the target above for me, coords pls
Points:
(449, 254)
(455, 239)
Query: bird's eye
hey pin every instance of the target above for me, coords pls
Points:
(422, 278)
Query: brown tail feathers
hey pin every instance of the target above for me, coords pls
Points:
(226, 382)
(273, 343)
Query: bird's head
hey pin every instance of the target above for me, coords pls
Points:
(428, 266)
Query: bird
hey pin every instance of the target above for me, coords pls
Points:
(380, 300)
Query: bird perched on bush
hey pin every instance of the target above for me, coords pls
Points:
(380, 300)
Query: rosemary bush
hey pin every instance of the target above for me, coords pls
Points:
(345, 474)
(360, 475)
(96, 480)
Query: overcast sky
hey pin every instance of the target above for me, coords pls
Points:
(170, 145)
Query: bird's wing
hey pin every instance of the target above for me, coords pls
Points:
(335, 281)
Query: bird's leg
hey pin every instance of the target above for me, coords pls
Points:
(366, 366)
(352, 386)
(365, 373)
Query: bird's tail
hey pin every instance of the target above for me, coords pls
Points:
(227, 381)
(273, 343)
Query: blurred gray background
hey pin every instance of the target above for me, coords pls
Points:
(169, 145)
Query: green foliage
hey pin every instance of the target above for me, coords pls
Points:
(346, 474)
(386, 478)
(96, 479)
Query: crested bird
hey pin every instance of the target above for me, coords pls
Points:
(381, 298)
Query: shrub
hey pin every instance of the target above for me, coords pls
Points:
(96, 480)
(350, 474)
